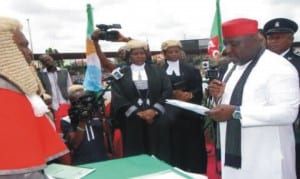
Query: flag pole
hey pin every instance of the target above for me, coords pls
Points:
(30, 40)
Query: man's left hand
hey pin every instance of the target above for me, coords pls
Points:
(222, 112)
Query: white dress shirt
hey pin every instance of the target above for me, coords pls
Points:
(57, 97)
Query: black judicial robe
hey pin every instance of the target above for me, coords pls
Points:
(188, 150)
(138, 136)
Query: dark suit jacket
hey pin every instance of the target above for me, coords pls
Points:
(62, 81)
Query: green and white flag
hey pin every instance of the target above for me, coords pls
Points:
(93, 74)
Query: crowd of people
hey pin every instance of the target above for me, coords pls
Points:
(255, 107)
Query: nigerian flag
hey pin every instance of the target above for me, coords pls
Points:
(92, 79)
(215, 45)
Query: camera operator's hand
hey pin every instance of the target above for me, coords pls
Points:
(216, 89)
(75, 137)
(103, 59)
(81, 125)
(95, 35)
(122, 38)
(182, 95)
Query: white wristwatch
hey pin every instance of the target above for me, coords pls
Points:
(237, 113)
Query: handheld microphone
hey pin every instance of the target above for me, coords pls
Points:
(116, 74)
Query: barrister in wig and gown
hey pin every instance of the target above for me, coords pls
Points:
(28, 140)
(138, 104)
(188, 150)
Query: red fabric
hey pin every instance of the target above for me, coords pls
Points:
(49, 137)
(211, 170)
(62, 111)
(118, 144)
(239, 27)
(107, 110)
(26, 141)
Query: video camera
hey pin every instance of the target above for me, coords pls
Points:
(85, 107)
(106, 34)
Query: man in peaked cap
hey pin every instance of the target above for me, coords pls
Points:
(257, 103)
(280, 35)
(280, 25)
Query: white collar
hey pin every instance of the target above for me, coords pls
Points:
(173, 67)
(285, 52)
(138, 72)
(38, 105)
(45, 69)
(137, 67)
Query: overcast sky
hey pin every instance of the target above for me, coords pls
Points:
(61, 24)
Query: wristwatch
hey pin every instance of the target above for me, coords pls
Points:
(237, 113)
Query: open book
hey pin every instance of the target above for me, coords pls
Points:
(188, 106)
(66, 171)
